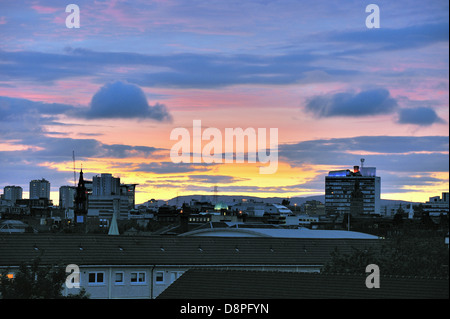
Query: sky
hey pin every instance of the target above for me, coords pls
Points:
(114, 89)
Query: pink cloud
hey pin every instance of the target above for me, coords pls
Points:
(46, 10)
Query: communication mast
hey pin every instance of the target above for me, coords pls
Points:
(215, 195)
(74, 173)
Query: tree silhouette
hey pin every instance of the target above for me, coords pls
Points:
(35, 281)
(412, 253)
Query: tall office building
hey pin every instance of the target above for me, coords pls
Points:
(356, 193)
(105, 184)
(109, 194)
(12, 193)
(67, 196)
(128, 190)
(39, 189)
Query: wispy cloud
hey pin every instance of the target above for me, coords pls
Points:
(388, 153)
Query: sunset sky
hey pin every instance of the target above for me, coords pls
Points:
(114, 89)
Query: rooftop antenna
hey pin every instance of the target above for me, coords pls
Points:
(74, 173)
(215, 194)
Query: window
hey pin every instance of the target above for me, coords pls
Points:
(96, 278)
(159, 277)
(174, 275)
(119, 278)
(103, 222)
(137, 278)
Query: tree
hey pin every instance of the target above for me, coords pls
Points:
(426, 220)
(398, 219)
(414, 253)
(35, 281)
(443, 221)
(351, 263)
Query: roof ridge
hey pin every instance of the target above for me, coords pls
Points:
(313, 273)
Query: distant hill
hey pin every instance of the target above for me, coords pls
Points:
(230, 199)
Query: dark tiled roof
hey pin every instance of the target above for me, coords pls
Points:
(233, 284)
(159, 250)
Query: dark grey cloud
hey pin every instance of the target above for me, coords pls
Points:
(368, 102)
(56, 149)
(175, 168)
(386, 39)
(14, 108)
(214, 179)
(124, 100)
(396, 181)
(185, 70)
(23, 123)
(20, 118)
(423, 116)
(21, 166)
(390, 153)
(19, 170)
(251, 189)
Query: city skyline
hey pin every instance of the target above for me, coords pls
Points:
(113, 90)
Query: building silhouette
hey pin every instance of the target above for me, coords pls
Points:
(67, 196)
(354, 192)
(81, 201)
(12, 193)
(39, 189)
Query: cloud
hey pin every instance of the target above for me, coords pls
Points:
(57, 149)
(172, 168)
(423, 116)
(368, 102)
(180, 70)
(386, 39)
(124, 100)
(20, 118)
(214, 179)
(13, 108)
(390, 153)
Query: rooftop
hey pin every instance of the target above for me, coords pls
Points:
(279, 233)
(234, 284)
(102, 249)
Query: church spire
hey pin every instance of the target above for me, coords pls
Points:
(81, 200)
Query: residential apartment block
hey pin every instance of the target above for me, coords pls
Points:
(12, 193)
(39, 189)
